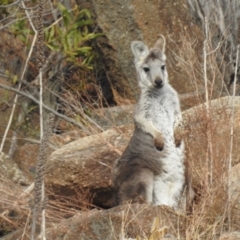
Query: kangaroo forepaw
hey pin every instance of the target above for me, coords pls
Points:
(159, 143)
(178, 137)
(178, 142)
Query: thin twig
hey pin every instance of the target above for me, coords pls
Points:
(9, 122)
(12, 22)
(26, 225)
(218, 46)
(30, 19)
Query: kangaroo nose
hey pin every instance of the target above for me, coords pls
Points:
(158, 82)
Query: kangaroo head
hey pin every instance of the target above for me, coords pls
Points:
(150, 64)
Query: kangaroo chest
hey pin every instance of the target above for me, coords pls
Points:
(161, 111)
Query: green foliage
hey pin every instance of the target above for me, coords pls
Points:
(4, 2)
(21, 30)
(12, 77)
(4, 11)
(69, 35)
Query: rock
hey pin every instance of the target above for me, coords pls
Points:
(27, 155)
(113, 116)
(9, 170)
(86, 164)
(234, 175)
(196, 137)
(115, 46)
(26, 158)
(122, 22)
(235, 184)
(230, 236)
(220, 110)
(127, 221)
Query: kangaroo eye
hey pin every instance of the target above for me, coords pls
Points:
(146, 69)
(163, 67)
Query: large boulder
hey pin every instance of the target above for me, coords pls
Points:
(26, 158)
(124, 21)
(208, 138)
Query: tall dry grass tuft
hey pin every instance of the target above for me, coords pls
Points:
(15, 207)
(209, 217)
(208, 136)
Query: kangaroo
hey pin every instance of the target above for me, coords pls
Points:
(158, 110)
(151, 169)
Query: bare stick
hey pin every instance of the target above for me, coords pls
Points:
(41, 103)
(209, 137)
(43, 227)
(9, 121)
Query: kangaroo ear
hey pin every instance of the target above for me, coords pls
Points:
(161, 43)
(139, 49)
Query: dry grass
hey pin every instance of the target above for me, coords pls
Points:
(208, 142)
(16, 203)
(209, 217)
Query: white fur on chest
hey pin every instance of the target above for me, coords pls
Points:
(168, 186)
(160, 111)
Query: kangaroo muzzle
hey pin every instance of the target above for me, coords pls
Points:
(158, 83)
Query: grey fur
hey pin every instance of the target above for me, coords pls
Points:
(136, 168)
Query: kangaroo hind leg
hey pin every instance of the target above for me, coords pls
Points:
(138, 187)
